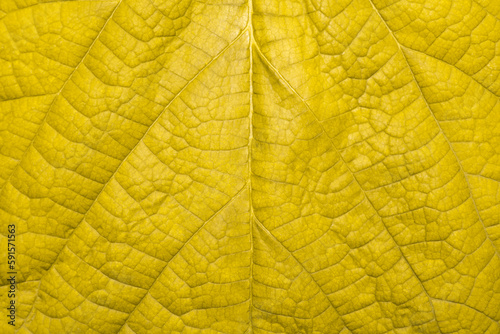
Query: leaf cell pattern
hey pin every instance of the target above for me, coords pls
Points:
(252, 167)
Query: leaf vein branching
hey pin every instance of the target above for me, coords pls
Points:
(58, 94)
(133, 149)
(287, 84)
(303, 267)
(452, 65)
(162, 270)
(439, 126)
(182, 247)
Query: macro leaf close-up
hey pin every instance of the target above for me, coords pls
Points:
(250, 167)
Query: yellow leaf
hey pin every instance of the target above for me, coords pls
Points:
(250, 167)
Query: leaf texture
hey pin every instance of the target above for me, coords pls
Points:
(251, 167)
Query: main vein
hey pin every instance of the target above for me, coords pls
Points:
(250, 141)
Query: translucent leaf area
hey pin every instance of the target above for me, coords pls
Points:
(221, 166)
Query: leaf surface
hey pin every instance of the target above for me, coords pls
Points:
(252, 167)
